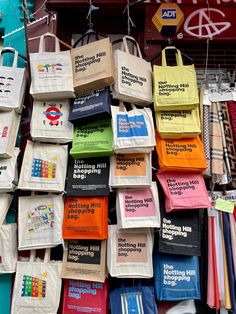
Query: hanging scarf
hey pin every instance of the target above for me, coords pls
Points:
(206, 137)
(232, 114)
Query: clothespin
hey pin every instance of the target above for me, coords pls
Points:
(91, 9)
(231, 78)
(219, 80)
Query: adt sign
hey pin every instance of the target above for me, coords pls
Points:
(168, 14)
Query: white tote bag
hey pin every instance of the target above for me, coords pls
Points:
(12, 85)
(137, 208)
(8, 248)
(129, 253)
(9, 125)
(5, 202)
(51, 72)
(130, 170)
(133, 131)
(49, 121)
(44, 167)
(8, 173)
(37, 286)
(133, 75)
(40, 221)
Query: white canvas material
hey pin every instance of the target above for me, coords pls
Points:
(40, 221)
(5, 202)
(51, 72)
(8, 248)
(44, 167)
(12, 85)
(8, 172)
(49, 121)
(37, 286)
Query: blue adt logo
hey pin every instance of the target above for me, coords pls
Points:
(168, 14)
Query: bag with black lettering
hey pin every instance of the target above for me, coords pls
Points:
(44, 167)
(176, 277)
(130, 170)
(82, 296)
(88, 177)
(40, 221)
(84, 260)
(92, 140)
(91, 107)
(175, 87)
(5, 202)
(9, 173)
(49, 122)
(138, 208)
(133, 75)
(129, 252)
(8, 248)
(177, 124)
(137, 299)
(133, 131)
(93, 66)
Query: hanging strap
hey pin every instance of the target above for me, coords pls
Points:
(42, 42)
(122, 106)
(47, 255)
(32, 255)
(125, 47)
(178, 56)
(14, 65)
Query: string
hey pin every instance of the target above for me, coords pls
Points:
(39, 8)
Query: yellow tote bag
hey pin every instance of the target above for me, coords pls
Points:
(175, 87)
(178, 123)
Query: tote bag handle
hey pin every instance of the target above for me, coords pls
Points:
(42, 42)
(178, 56)
(47, 255)
(136, 45)
(14, 65)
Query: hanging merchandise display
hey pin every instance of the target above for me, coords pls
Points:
(93, 66)
(5, 202)
(9, 173)
(133, 131)
(8, 248)
(40, 221)
(12, 82)
(88, 177)
(138, 208)
(133, 75)
(44, 167)
(92, 140)
(85, 260)
(175, 87)
(91, 107)
(49, 122)
(51, 72)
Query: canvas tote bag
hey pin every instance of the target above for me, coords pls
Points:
(9, 173)
(175, 87)
(12, 85)
(5, 202)
(49, 121)
(40, 221)
(37, 286)
(85, 260)
(44, 167)
(93, 66)
(133, 131)
(129, 252)
(133, 75)
(51, 72)
(8, 248)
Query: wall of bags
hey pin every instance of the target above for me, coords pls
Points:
(139, 196)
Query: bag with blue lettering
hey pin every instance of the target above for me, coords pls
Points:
(133, 131)
(91, 107)
(176, 277)
(138, 300)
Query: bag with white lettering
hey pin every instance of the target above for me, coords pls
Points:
(180, 233)
(175, 87)
(8, 248)
(37, 286)
(133, 131)
(84, 260)
(12, 85)
(93, 66)
(51, 72)
(82, 296)
(5, 202)
(40, 221)
(183, 191)
(137, 299)
(130, 170)
(88, 177)
(176, 277)
(91, 107)
(136, 208)
(9, 125)
(133, 75)
(178, 124)
(49, 121)
(44, 167)
(9, 173)
(129, 252)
